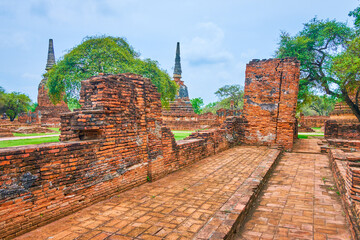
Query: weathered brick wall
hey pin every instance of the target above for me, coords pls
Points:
(336, 130)
(270, 98)
(314, 121)
(114, 142)
(345, 169)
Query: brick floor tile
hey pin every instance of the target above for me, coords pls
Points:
(308, 208)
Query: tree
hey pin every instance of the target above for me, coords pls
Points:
(231, 92)
(319, 105)
(2, 100)
(347, 69)
(316, 47)
(16, 103)
(103, 55)
(197, 103)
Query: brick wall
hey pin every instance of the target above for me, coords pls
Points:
(314, 121)
(336, 130)
(114, 142)
(270, 98)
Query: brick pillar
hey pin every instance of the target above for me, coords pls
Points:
(271, 89)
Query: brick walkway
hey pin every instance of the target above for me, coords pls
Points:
(175, 207)
(299, 201)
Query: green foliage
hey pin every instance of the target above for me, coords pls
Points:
(15, 103)
(226, 94)
(211, 107)
(317, 47)
(347, 68)
(231, 92)
(356, 14)
(32, 107)
(103, 54)
(197, 103)
(2, 100)
(319, 105)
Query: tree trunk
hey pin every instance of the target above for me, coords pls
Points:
(354, 108)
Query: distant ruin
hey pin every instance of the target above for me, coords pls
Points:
(46, 113)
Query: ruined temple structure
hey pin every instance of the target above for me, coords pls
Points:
(117, 140)
(270, 98)
(46, 113)
(342, 112)
(180, 114)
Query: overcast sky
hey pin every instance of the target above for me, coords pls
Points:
(217, 37)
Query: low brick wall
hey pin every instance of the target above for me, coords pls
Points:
(314, 121)
(346, 171)
(114, 142)
(334, 129)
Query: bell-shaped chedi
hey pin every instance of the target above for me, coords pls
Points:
(48, 113)
(180, 111)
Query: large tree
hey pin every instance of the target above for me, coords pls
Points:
(16, 103)
(229, 93)
(103, 55)
(316, 47)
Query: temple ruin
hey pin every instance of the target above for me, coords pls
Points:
(46, 113)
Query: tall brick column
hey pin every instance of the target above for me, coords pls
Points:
(271, 89)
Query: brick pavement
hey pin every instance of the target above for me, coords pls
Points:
(299, 201)
(174, 207)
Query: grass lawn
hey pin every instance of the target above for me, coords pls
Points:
(179, 135)
(21, 142)
(307, 135)
(32, 134)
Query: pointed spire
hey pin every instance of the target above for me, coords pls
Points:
(177, 69)
(51, 56)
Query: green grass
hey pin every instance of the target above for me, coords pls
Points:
(21, 142)
(32, 134)
(55, 129)
(179, 135)
(307, 135)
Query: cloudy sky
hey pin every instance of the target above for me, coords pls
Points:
(217, 37)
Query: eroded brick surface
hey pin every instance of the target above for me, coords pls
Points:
(270, 98)
(175, 207)
(300, 201)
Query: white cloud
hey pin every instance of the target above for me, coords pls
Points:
(207, 47)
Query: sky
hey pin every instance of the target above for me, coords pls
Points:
(217, 38)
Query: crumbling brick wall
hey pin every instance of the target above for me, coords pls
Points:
(114, 142)
(270, 98)
(336, 130)
(313, 121)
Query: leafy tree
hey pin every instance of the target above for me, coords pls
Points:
(16, 103)
(103, 55)
(316, 46)
(347, 69)
(231, 92)
(197, 103)
(32, 107)
(2, 100)
(211, 107)
(320, 105)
